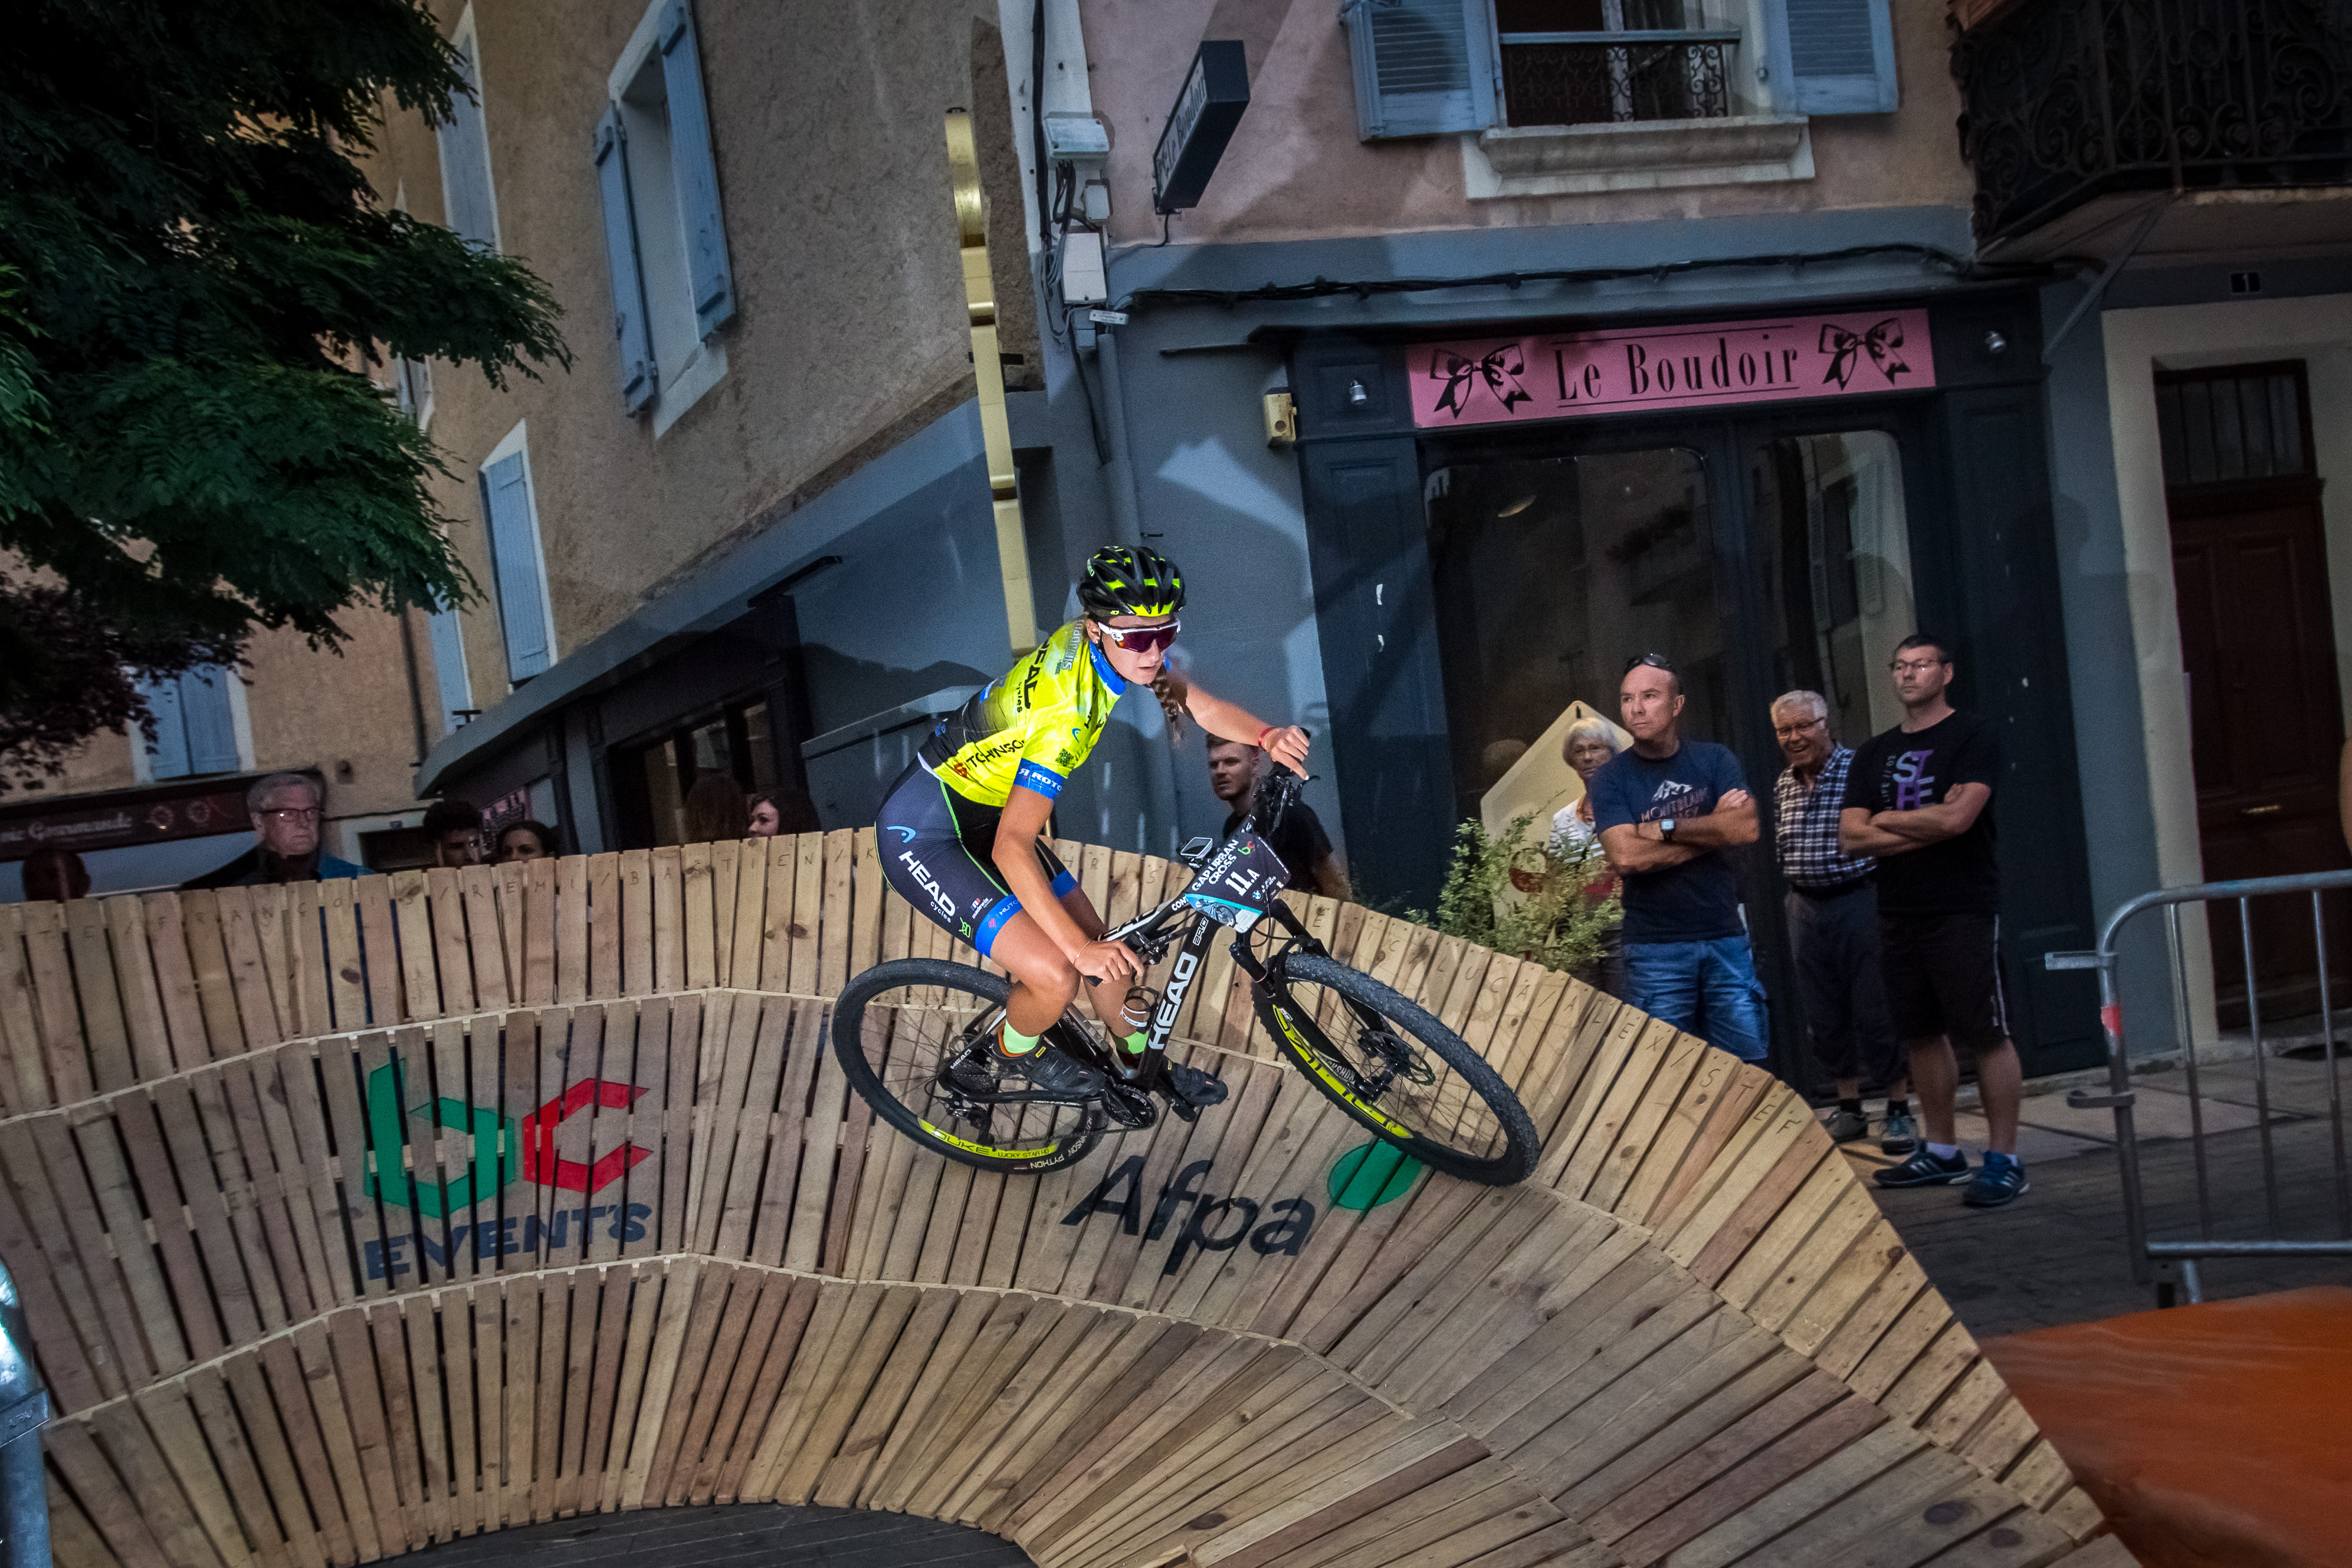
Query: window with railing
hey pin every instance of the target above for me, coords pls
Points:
(1592, 62)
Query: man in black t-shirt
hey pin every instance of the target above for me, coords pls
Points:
(1919, 798)
(1298, 840)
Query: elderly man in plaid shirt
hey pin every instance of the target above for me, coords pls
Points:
(1833, 926)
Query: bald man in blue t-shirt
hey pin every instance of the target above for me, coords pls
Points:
(1669, 810)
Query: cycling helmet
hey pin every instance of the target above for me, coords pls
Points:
(1123, 582)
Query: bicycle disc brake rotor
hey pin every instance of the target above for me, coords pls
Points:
(1398, 1058)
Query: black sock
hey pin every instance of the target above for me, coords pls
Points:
(1852, 1103)
(1897, 1107)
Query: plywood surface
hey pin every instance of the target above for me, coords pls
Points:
(354, 1217)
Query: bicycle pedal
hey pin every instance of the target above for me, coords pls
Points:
(1185, 1110)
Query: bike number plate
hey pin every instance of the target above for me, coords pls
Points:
(1240, 882)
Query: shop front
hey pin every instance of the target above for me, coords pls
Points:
(1498, 520)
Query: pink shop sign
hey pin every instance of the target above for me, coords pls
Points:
(1563, 375)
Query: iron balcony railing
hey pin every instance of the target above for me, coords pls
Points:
(2066, 101)
(1597, 79)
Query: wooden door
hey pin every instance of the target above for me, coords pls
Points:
(2249, 567)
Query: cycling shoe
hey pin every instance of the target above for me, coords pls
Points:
(1195, 1087)
(1047, 1068)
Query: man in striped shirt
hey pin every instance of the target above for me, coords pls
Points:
(1833, 926)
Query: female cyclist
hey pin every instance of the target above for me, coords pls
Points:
(961, 830)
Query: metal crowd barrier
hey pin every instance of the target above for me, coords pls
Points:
(2171, 1265)
(23, 1406)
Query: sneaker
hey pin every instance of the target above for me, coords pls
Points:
(1900, 1135)
(2000, 1180)
(1195, 1087)
(1923, 1169)
(1847, 1125)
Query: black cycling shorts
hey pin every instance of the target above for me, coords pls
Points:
(935, 851)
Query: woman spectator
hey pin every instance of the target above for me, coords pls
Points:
(783, 811)
(714, 810)
(525, 841)
(1590, 744)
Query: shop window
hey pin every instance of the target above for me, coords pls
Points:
(1550, 575)
(739, 744)
(664, 235)
(468, 204)
(1838, 571)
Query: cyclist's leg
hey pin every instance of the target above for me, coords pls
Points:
(1108, 1001)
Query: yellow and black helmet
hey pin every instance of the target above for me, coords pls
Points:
(1123, 582)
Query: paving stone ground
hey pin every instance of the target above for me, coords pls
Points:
(2058, 1255)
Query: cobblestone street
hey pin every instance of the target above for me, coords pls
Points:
(2057, 1255)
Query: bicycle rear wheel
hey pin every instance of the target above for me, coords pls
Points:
(1396, 1069)
(900, 1026)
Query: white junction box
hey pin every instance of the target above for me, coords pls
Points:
(1083, 282)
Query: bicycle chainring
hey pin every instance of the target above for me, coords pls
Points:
(1128, 1106)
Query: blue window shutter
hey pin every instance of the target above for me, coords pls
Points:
(1423, 68)
(211, 721)
(514, 557)
(449, 673)
(696, 171)
(466, 200)
(168, 757)
(1832, 56)
(637, 372)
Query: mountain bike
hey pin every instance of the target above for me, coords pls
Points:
(901, 1027)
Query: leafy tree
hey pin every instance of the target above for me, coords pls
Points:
(194, 276)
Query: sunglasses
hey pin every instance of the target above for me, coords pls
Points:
(1655, 660)
(1141, 639)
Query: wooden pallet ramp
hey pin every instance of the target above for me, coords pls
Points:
(351, 1217)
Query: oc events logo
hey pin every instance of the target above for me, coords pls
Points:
(504, 1149)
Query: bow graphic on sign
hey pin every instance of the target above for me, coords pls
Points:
(1500, 371)
(1880, 340)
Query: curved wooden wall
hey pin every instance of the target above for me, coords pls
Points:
(352, 1216)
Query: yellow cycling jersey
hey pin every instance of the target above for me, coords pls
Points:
(1031, 726)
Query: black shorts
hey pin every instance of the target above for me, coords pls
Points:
(937, 851)
(1945, 976)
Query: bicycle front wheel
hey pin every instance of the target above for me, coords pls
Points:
(1396, 1069)
(898, 1029)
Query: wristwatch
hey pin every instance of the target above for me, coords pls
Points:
(1666, 829)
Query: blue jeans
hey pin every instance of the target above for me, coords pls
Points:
(1705, 988)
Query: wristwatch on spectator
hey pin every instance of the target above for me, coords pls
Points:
(1666, 829)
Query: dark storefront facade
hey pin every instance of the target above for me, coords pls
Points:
(1498, 519)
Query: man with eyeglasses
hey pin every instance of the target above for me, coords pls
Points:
(1833, 912)
(1919, 800)
(1667, 810)
(286, 812)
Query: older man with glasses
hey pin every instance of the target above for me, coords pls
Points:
(1670, 811)
(287, 811)
(1833, 912)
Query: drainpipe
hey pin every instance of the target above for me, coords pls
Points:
(1119, 474)
(23, 1406)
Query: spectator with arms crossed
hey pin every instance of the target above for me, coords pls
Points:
(1668, 810)
(1919, 798)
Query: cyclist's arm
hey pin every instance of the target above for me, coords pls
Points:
(1231, 721)
(1014, 855)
